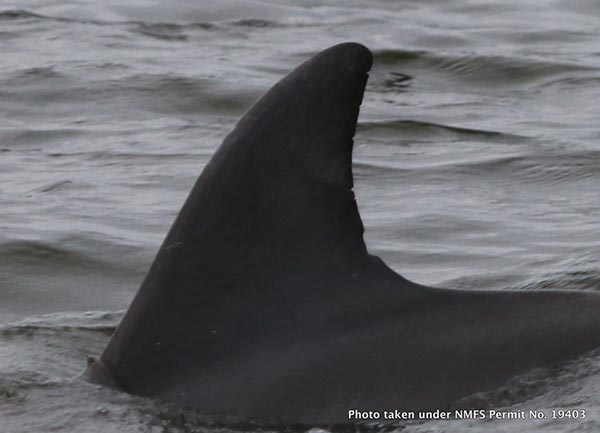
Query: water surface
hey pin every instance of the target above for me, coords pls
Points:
(477, 165)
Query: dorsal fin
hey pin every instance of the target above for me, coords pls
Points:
(274, 202)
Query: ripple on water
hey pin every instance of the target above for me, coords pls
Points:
(405, 131)
(156, 93)
(104, 322)
(19, 14)
(547, 172)
(490, 71)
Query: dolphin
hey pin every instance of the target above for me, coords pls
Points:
(263, 301)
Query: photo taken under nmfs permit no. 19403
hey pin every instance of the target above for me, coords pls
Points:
(466, 414)
(323, 216)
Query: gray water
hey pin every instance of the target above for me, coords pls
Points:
(477, 165)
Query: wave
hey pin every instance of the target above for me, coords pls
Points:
(158, 93)
(472, 70)
(542, 169)
(50, 253)
(21, 137)
(152, 25)
(104, 322)
(582, 279)
(18, 14)
(545, 171)
(407, 129)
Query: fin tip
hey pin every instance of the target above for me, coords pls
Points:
(356, 55)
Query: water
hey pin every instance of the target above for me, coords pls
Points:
(477, 164)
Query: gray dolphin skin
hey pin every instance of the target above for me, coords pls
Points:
(263, 301)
